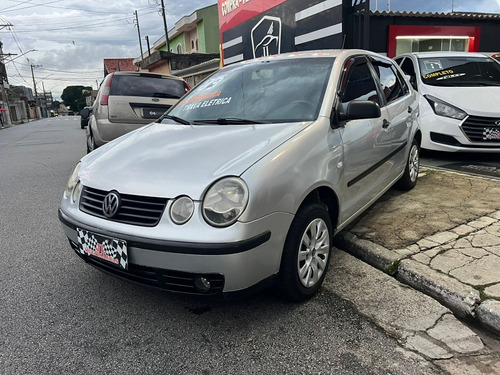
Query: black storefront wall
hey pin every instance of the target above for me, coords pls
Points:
(278, 30)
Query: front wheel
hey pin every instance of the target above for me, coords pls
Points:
(409, 178)
(306, 254)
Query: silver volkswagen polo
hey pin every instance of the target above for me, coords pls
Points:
(244, 182)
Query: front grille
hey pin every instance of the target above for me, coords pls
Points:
(479, 128)
(173, 281)
(135, 210)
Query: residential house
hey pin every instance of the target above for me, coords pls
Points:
(193, 40)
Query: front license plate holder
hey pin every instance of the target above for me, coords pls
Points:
(109, 250)
(491, 134)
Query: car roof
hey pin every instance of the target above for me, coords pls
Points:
(444, 54)
(145, 74)
(316, 54)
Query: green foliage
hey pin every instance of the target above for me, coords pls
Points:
(74, 97)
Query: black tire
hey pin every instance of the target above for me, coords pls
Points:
(291, 285)
(409, 178)
(91, 145)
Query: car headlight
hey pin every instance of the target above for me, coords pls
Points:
(181, 210)
(225, 201)
(72, 181)
(444, 109)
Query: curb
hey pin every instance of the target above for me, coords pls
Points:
(461, 299)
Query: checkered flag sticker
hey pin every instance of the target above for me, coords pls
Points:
(491, 133)
(108, 249)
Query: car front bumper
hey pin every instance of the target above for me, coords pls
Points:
(446, 134)
(229, 266)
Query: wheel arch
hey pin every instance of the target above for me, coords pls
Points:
(327, 197)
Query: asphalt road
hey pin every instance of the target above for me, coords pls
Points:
(482, 164)
(60, 316)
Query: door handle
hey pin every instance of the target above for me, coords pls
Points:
(409, 109)
(385, 124)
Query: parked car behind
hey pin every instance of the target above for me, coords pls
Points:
(129, 100)
(459, 94)
(243, 183)
(85, 114)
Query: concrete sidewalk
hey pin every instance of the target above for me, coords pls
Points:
(442, 238)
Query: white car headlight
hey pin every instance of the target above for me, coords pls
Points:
(444, 109)
(225, 201)
(72, 181)
(181, 210)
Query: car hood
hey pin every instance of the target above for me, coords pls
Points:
(168, 160)
(477, 101)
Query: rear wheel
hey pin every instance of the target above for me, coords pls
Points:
(306, 254)
(409, 178)
(91, 145)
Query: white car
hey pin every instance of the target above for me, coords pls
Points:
(459, 95)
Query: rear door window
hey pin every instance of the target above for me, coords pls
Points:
(391, 85)
(147, 86)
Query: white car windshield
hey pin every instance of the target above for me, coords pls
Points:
(460, 71)
(288, 90)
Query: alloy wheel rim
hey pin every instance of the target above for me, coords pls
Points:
(413, 163)
(313, 253)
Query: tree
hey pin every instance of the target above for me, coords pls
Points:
(74, 97)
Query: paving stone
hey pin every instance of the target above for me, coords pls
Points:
(488, 314)
(422, 258)
(495, 215)
(486, 239)
(493, 249)
(433, 252)
(425, 346)
(463, 242)
(443, 237)
(493, 291)
(482, 271)
(449, 260)
(404, 252)
(482, 222)
(455, 335)
(463, 230)
(494, 229)
(426, 244)
(474, 252)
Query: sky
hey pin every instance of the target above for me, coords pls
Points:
(67, 40)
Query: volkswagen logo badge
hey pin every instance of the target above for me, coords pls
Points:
(111, 204)
(497, 122)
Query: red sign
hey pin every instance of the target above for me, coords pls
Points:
(235, 12)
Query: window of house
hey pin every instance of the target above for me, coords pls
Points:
(179, 48)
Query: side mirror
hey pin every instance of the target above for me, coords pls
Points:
(360, 109)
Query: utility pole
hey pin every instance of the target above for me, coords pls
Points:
(165, 25)
(34, 86)
(139, 32)
(45, 101)
(147, 42)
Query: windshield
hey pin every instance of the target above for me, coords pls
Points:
(460, 71)
(259, 92)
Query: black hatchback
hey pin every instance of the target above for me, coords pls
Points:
(85, 116)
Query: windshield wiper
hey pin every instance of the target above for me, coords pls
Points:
(228, 121)
(175, 118)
